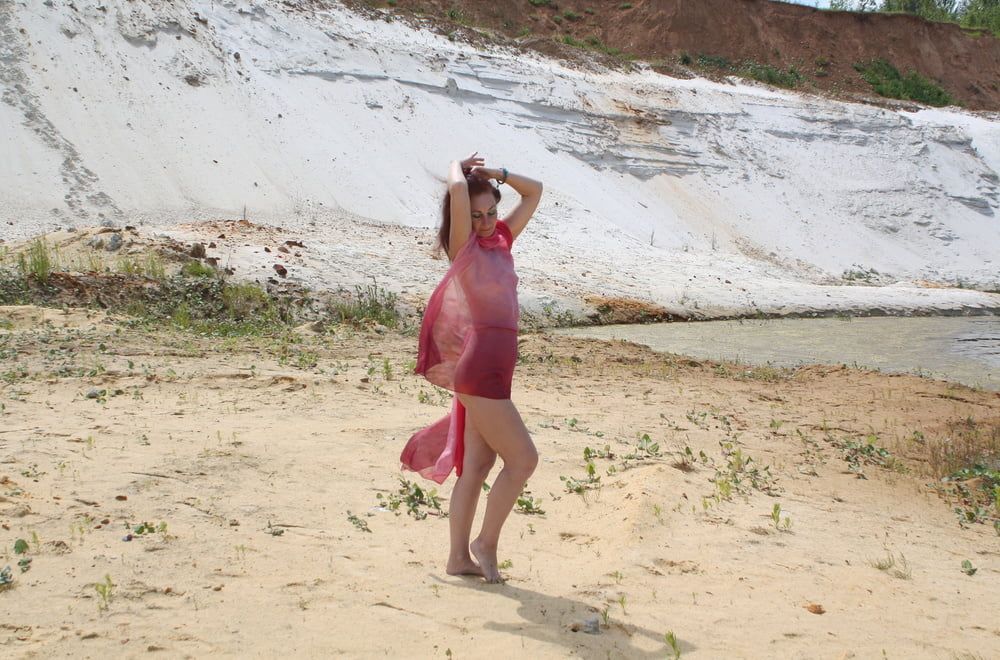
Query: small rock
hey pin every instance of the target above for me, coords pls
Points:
(282, 248)
(114, 243)
(96, 242)
(212, 244)
(121, 498)
(280, 270)
(107, 222)
(127, 537)
(71, 229)
(381, 329)
(591, 625)
(197, 251)
(267, 249)
(94, 393)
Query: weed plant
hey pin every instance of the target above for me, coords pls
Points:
(371, 304)
(414, 498)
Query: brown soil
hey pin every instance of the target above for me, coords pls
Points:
(821, 45)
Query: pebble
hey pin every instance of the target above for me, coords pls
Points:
(93, 393)
(591, 625)
(114, 242)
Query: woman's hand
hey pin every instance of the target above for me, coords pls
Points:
(472, 162)
(487, 173)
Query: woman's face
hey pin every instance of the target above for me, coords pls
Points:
(484, 213)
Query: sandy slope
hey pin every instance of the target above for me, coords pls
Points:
(224, 441)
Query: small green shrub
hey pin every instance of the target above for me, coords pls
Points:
(371, 303)
(887, 81)
(197, 269)
(766, 73)
(38, 261)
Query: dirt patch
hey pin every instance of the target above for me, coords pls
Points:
(628, 310)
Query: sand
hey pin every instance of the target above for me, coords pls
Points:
(246, 457)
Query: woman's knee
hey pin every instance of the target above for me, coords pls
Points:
(522, 462)
(480, 466)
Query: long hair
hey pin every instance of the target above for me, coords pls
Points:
(477, 185)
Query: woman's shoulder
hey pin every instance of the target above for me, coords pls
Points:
(504, 231)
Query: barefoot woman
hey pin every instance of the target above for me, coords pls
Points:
(468, 344)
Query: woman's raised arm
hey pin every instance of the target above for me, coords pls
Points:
(529, 190)
(461, 213)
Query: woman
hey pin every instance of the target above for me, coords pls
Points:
(468, 344)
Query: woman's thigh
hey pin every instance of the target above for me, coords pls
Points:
(500, 425)
(478, 455)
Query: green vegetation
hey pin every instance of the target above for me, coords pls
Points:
(891, 566)
(540, 3)
(527, 504)
(592, 43)
(886, 80)
(104, 592)
(859, 453)
(370, 304)
(776, 520)
(413, 497)
(360, 524)
(974, 14)
(966, 457)
(765, 73)
(38, 261)
(196, 298)
(671, 639)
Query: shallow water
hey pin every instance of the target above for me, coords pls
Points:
(962, 349)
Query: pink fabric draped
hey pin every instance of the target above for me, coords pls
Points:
(468, 344)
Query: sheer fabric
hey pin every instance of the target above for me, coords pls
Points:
(468, 344)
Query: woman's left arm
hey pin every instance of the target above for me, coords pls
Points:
(530, 192)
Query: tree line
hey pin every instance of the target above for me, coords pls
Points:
(983, 14)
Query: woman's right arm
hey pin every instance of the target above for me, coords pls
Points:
(461, 214)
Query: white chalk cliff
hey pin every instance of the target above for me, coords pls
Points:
(707, 198)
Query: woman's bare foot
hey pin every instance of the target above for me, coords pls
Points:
(487, 561)
(463, 566)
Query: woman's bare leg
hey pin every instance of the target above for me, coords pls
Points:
(504, 432)
(476, 466)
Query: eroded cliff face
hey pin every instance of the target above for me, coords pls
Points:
(311, 116)
(823, 46)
